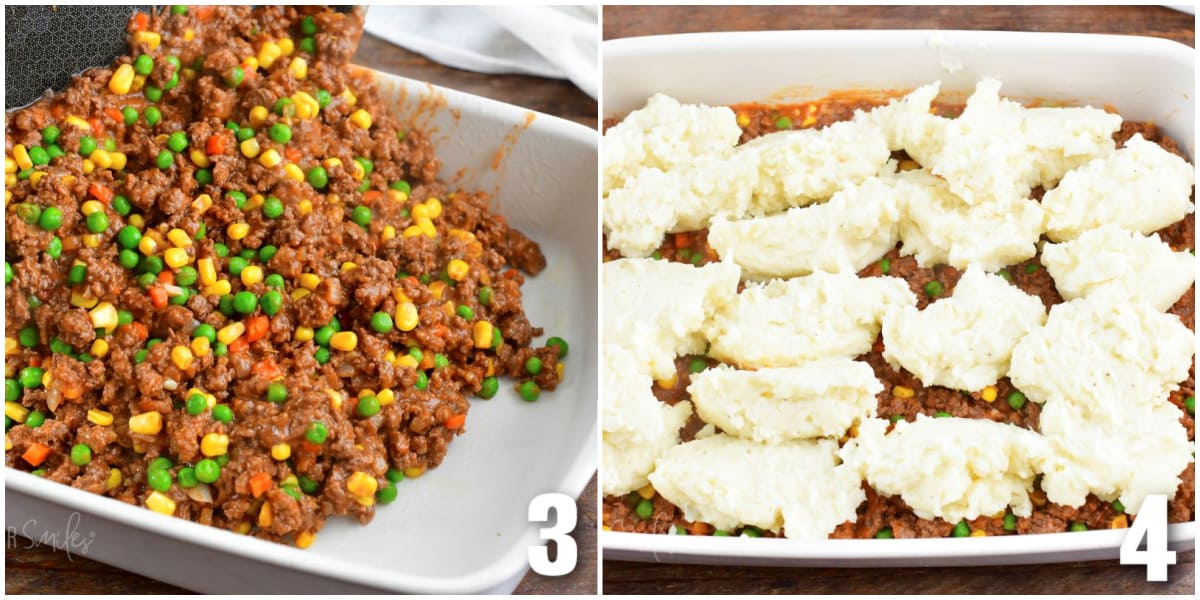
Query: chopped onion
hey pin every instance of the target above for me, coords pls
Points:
(201, 492)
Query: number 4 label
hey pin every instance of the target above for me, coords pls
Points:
(1151, 523)
(564, 523)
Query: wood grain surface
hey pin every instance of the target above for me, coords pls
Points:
(1069, 578)
(31, 569)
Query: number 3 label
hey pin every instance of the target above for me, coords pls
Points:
(1151, 523)
(564, 523)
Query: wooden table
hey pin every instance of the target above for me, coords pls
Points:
(33, 569)
(1072, 578)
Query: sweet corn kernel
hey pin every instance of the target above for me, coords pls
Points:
(412, 231)
(426, 227)
(270, 158)
(121, 80)
(258, 115)
(250, 63)
(420, 211)
(22, 156)
(227, 334)
(669, 383)
(202, 203)
(254, 202)
(435, 208)
(149, 423)
(386, 396)
(15, 411)
(79, 300)
(139, 81)
(388, 233)
(558, 369)
(406, 316)
(88, 166)
(207, 271)
(114, 479)
(182, 357)
(268, 53)
(242, 528)
(91, 206)
(236, 231)
(349, 266)
(399, 295)
(100, 158)
(979, 533)
(304, 207)
(646, 491)
(104, 316)
(303, 334)
(11, 346)
(457, 269)
(175, 257)
(219, 288)
(249, 147)
(99, 348)
(100, 417)
(189, 34)
(988, 394)
(361, 118)
(361, 484)
(437, 288)
(349, 97)
(294, 172)
(281, 451)
(147, 245)
(201, 346)
(1120, 522)
(10, 165)
(265, 515)
(364, 392)
(159, 502)
(91, 240)
(298, 68)
(150, 38)
(309, 281)
(482, 334)
(345, 341)
(199, 158)
(80, 122)
(252, 275)
(901, 391)
(117, 160)
(743, 119)
(414, 472)
(36, 177)
(214, 444)
(300, 293)
(179, 238)
(9, 181)
(47, 379)
(304, 539)
(137, 221)
(335, 398)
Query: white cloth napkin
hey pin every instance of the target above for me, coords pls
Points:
(560, 42)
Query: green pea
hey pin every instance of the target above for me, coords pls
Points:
(204, 176)
(317, 177)
(38, 156)
(783, 123)
(309, 45)
(1190, 404)
(244, 134)
(29, 337)
(560, 344)
(187, 477)
(143, 65)
(87, 145)
(186, 275)
(529, 391)
(361, 215)
(697, 365)
(961, 530)
(677, 530)
(60, 347)
(236, 265)
(322, 355)
(196, 404)
(308, 485)
(322, 334)
(31, 378)
(368, 166)
(1010, 522)
(941, 414)
(291, 490)
(124, 317)
(110, 144)
(81, 454)
(381, 322)
(884, 534)
(24, 174)
(152, 93)
(139, 357)
(485, 295)
(316, 432)
(121, 206)
(1117, 506)
(280, 133)
(644, 510)
(274, 280)
(751, 531)
(422, 380)
(1005, 274)
(1016, 400)
(152, 115)
(208, 470)
(165, 160)
(151, 264)
(50, 219)
(368, 406)
(129, 237)
(267, 252)
(497, 337)
(271, 303)
(238, 197)
(488, 388)
(35, 418)
(283, 105)
(177, 141)
(97, 222)
(50, 134)
(234, 76)
(247, 254)
(533, 365)
(222, 460)
(30, 213)
(934, 288)
(54, 151)
(158, 479)
(386, 494)
(1032, 268)
(885, 266)
(223, 413)
(401, 186)
(12, 390)
(272, 207)
(440, 361)
(244, 302)
(181, 298)
(656, 255)
(465, 312)
(308, 26)
(8, 272)
(323, 98)
(1077, 527)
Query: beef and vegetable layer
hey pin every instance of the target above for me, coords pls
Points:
(235, 291)
(903, 396)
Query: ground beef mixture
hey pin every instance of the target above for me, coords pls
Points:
(235, 291)
(904, 396)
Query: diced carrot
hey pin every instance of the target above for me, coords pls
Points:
(58, 111)
(97, 126)
(257, 327)
(441, 330)
(158, 296)
(683, 240)
(141, 21)
(166, 277)
(456, 422)
(239, 344)
(372, 196)
(114, 114)
(267, 369)
(100, 192)
(204, 12)
(699, 528)
(215, 145)
(310, 447)
(36, 454)
(259, 484)
(139, 330)
(293, 155)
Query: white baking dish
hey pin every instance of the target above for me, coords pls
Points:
(1143, 78)
(462, 527)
